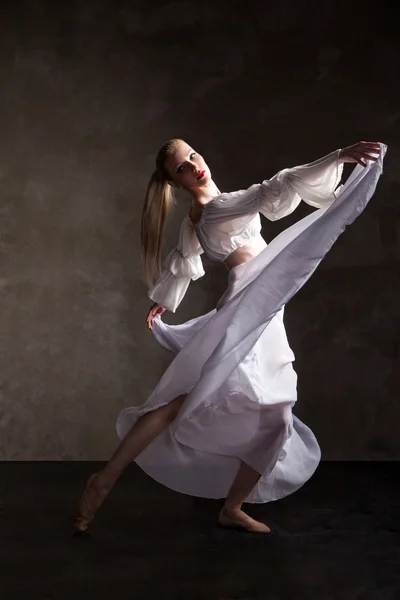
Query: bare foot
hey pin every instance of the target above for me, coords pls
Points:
(91, 500)
(238, 519)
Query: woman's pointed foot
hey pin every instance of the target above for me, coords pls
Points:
(237, 519)
(91, 500)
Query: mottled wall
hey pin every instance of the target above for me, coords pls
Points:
(88, 91)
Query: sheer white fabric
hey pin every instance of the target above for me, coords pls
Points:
(182, 265)
(235, 363)
(229, 221)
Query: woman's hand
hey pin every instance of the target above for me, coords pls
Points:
(156, 309)
(359, 153)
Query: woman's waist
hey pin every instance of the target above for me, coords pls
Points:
(246, 252)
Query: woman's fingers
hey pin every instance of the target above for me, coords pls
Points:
(155, 310)
(368, 149)
(375, 145)
(364, 156)
(149, 318)
(362, 152)
(369, 145)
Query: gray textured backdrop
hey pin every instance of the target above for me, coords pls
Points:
(88, 91)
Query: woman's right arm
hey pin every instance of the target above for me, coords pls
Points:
(182, 265)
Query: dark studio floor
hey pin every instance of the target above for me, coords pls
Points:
(336, 538)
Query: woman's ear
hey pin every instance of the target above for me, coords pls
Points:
(173, 184)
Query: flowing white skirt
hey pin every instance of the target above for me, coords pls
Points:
(235, 364)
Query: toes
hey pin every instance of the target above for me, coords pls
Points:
(81, 524)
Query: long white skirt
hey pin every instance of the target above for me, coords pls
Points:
(235, 364)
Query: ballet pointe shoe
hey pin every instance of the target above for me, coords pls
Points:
(237, 519)
(91, 500)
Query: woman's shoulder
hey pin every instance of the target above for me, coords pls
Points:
(235, 202)
(194, 214)
(225, 205)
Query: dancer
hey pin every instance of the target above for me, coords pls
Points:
(219, 424)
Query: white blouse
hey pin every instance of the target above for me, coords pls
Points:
(232, 220)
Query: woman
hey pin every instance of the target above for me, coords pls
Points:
(220, 423)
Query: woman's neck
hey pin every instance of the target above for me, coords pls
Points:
(203, 195)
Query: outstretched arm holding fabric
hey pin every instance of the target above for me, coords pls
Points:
(275, 198)
(315, 183)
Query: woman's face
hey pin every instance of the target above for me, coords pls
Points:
(187, 168)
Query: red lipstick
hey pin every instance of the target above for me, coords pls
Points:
(201, 175)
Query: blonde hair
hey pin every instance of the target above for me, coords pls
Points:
(158, 203)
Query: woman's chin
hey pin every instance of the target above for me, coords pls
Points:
(203, 181)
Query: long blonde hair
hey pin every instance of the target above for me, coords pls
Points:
(158, 203)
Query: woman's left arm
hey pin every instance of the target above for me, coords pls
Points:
(315, 182)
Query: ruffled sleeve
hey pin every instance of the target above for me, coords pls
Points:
(182, 265)
(315, 183)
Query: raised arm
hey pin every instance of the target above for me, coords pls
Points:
(315, 183)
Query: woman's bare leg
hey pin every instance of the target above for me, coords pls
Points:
(144, 431)
(232, 514)
(276, 432)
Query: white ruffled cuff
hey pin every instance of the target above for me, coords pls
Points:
(184, 266)
(177, 272)
(169, 290)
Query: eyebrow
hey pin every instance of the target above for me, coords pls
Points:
(189, 153)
